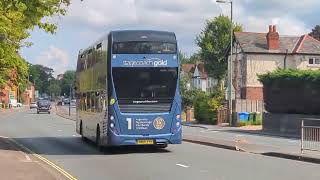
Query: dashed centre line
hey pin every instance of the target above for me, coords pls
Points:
(28, 158)
(182, 165)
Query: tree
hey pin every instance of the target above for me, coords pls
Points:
(17, 18)
(213, 42)
(193, 59)
(54, 88)
(41, 76)
(315, 32)
(187, 94)
(183, 58)
(67, 81)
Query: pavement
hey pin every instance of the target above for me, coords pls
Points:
(63, 111)
(53, 138)
(17, 163)
(249, 140)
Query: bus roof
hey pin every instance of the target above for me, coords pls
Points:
(143, 35)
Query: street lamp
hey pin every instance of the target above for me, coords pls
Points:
(70, 91)
(229, 62)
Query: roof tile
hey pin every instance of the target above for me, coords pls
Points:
(257, 43)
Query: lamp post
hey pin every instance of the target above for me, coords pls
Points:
(70, 88)
(230, 61)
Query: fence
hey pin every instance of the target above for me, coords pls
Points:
(310, 135)
(246, 105)
(222, 116)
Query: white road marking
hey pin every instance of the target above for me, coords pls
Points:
(28, 158)
(214, 131)
(205, 130)
(239, 135)
(74, 135)
(59, 130)
(182, 165)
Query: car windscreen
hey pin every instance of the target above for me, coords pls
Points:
(145, 83)
(43, 103)
(144, 48)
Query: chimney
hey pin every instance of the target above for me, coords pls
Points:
(273, 38)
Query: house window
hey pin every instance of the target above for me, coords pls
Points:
(314, 61)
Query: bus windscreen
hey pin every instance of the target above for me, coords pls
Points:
(145, 83)
(144, 48)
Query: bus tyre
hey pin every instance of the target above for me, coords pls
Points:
(37, 112)
(80, 128)
(98, 139)
(84, 139)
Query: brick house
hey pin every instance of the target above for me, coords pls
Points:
(258, 53)
(200, 79)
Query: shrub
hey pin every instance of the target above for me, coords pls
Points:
(292, 91)
(206, 106)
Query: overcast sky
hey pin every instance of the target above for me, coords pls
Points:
(88, 20)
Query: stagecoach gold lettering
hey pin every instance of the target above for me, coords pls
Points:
(144, 102)
(149, 62)
(142, 124)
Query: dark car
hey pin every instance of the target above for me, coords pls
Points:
(43, 106)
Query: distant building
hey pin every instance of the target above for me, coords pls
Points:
(258, 53)
(200, 79)
(60, 76)
(10, 90)
(28, 95)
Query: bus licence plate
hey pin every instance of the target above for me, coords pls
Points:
(145, 141)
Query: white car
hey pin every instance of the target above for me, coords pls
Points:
(14, 103)
(33, 105)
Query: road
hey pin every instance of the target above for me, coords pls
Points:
(55, 139)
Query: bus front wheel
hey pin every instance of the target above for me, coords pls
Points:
(81, 133)
(98, 139)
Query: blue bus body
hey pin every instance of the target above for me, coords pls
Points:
(139, 103)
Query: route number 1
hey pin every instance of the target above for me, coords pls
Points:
(129, 120)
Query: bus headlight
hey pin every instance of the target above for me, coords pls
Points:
(112, 125)
(111, 118)
(178, 116)
(178, 124)
(112, 101)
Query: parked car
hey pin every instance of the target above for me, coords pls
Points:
(43, 106)
(14, 103)
(33, 105)
(73, 103)
(66, 101)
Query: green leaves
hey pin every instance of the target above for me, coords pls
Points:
(315, 32)
(17, 18)
(290, 78)
(67, 81)
(213, 42)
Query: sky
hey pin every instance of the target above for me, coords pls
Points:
(88, 20)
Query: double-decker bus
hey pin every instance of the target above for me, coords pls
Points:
(127, 86)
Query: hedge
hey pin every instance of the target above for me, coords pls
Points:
(206, 105)
(292, 91)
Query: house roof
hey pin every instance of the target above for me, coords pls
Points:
(190, 68)
(187, 68)
(203, 72)
(252, 42)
